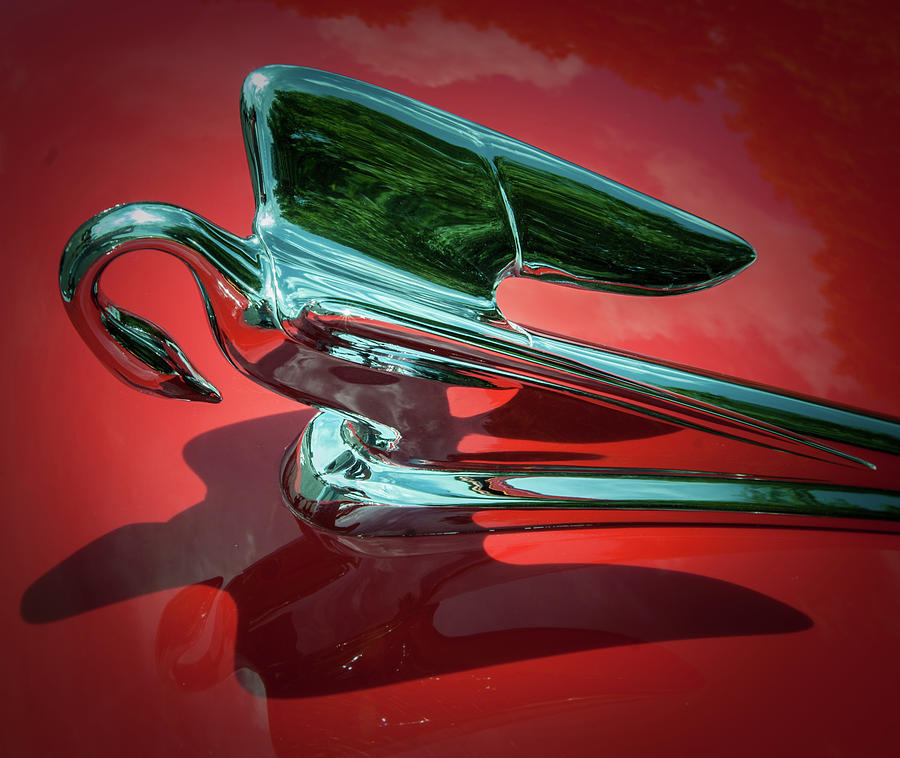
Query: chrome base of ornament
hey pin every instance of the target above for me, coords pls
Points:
(339, 476)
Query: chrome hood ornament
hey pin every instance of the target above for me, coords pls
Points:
(383, 228)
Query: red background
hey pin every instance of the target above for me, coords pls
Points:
(777, 124)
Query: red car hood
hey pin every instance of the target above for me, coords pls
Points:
(159, 597)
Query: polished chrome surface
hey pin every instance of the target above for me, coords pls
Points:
(333, 479)
(383, 228)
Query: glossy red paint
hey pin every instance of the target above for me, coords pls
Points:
(159, 599)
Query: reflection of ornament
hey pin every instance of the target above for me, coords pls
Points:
(382, 230)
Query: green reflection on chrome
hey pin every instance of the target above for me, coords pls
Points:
(461, 206)
(572, 232)
(371, 182)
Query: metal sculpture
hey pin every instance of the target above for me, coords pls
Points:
(382, 230)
